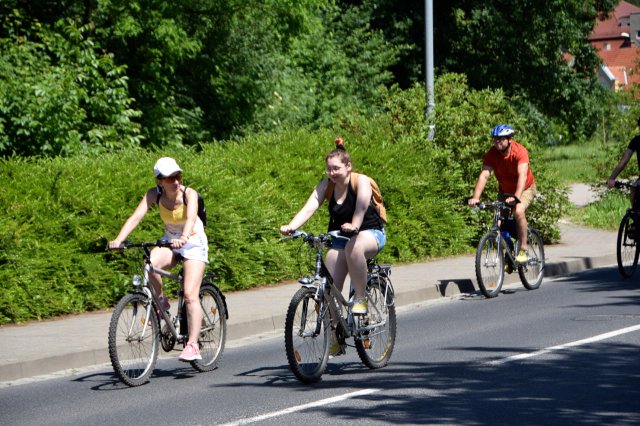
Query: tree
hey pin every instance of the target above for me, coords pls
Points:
(535, 50)
(60, 94)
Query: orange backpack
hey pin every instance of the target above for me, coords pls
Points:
(376, 196)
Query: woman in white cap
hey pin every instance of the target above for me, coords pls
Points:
(179, 211)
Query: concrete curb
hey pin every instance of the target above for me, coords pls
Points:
(450, 288)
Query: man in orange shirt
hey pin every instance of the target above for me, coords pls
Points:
(509, 160)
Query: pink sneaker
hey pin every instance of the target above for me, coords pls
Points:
(190, 352)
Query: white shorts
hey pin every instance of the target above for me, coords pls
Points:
(197, 248)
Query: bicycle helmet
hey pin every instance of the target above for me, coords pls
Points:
(502, 130)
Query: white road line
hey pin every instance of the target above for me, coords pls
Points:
(566, 345)
(302, 407)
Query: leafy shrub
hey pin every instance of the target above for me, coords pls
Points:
(61, 212)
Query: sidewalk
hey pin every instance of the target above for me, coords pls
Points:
(39, 348)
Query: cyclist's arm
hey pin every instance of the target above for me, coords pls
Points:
(626, 156)
(523, 170)
(311, 206)
(192, 214)
(132, 222)
(363, 199)
(480, 184)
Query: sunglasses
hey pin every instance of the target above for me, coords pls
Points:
(177, 176)
(500, 138)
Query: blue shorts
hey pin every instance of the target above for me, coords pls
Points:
(379, 234)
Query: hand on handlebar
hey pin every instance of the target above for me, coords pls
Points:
(115, 245)
(511, 201)
(286, 230)
(177, 243)
(473, 201)
(349, 229)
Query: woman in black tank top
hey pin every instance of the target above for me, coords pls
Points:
(351, 213)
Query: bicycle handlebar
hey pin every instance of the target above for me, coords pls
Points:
(128, 244)
(498, 203)
(312, 239)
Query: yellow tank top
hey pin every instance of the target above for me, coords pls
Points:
(174, 220)
(173, 217)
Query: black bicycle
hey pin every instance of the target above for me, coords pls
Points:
(318, 309)
(134, 332)
(497, 250)
(628, 235)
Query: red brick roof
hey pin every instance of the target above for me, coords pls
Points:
(618, 54)
(610, 28)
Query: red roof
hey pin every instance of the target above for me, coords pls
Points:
(618, 54)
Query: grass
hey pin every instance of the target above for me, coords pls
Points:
(579, 164)
(575, 163)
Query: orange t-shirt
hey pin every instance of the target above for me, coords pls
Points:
(506, 168)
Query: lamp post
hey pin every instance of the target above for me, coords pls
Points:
(431, 104)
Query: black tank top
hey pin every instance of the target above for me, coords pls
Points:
(343, 213)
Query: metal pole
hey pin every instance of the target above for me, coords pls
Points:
(431, 104)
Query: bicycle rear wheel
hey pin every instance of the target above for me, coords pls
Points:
(306, 336)
(375, 346)
(213, 333)
(490, 265)
(532, 272)
(627, 250)
(133, 339)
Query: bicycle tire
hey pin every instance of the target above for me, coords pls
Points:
(307, 351)
(376, 345)
(532, 272)
(134, 339)
(627, 248)
(213, 333)
(490, 265)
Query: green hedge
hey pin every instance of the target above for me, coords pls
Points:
(60, 213)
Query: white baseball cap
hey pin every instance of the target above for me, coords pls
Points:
(166, 166)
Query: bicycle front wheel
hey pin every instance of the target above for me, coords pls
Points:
(213, 333)
(532, 272)
(306, 336)
(627, 251)
(134, 339)
(490, 265)
(375, 345)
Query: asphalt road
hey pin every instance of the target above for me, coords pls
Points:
(564, 354)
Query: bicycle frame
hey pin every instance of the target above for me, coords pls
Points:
(331, 297)
(498, 207)
(148, 290)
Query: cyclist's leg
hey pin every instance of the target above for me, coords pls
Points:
(192, 274)
(519, 215)
(360, 248)
(336, 263)
(163, 258)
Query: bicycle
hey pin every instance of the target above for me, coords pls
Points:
(497, 250)
(318, 308)
(134, 330)
(628, 235)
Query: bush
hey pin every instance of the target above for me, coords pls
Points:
(61, 212)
